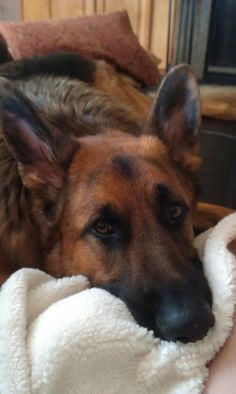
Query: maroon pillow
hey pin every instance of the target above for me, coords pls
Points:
(108, 37)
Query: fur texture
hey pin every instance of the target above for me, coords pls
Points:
(88, 189)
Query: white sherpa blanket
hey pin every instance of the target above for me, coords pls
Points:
(63, 337)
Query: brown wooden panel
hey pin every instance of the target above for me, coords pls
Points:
(159, 30)
(35, 9)
(67, 8)
(89, 7)
(145, 22)
(100, 6)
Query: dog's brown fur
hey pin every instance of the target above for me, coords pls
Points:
(57, 100)
(75, 163)
(19, 237)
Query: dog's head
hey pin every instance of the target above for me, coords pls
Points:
(118, 208)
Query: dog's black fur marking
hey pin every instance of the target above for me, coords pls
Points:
(57, 64)
(125, 164)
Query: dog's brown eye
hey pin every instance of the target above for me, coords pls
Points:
(175, 211)
(102, 227)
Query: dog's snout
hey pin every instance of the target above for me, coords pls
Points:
(181, 311)
(188, 323)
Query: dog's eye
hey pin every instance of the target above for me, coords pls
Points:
(175, 212)
(101, 227)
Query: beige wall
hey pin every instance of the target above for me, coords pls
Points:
(149, 18)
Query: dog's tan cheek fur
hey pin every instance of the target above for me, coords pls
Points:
(82, 258)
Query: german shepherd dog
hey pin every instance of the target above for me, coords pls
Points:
(86, 188)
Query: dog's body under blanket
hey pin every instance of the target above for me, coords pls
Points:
(60, 336)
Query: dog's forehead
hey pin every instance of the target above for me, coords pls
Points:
(126, 178)
(119, 170)
(117, 150)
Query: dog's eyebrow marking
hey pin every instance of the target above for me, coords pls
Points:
(153, 162)
(165, 194)
(163, 191)
(109, 211)
(125, 164)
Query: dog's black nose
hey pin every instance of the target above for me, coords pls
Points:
(188, 323)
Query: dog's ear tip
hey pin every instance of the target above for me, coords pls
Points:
(176, 113)
(182, 74)
(183, 68)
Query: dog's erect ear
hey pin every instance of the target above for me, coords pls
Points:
(175, 117)
(41, 155)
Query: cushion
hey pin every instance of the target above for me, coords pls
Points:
(108, 37)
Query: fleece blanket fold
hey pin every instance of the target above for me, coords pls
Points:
(63, 337)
